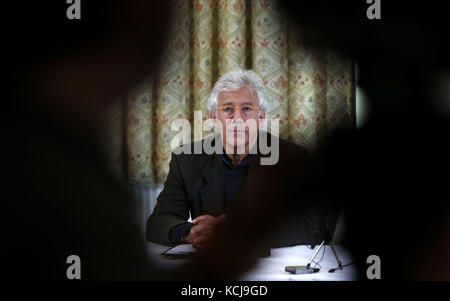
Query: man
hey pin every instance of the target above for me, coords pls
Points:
(213, 187)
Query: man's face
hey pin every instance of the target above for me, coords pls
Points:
(238, 112)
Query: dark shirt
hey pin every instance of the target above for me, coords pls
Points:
(234, 177)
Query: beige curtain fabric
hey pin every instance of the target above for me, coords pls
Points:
(310, 92)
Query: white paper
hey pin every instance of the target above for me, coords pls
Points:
(183, 249)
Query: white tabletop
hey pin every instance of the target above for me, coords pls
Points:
(272, 268)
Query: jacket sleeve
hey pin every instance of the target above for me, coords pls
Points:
(171, 208)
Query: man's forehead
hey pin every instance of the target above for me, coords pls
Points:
(242, 94)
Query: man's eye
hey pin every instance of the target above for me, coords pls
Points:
(228, 109)
(247, 109)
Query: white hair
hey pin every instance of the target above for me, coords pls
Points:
(234, 80)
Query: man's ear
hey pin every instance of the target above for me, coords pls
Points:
(213, 117)
(262, 124)
(262, 115)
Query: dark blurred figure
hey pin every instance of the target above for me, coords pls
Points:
(64, 74)
(390, 176)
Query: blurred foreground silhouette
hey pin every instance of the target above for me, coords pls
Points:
(390, 176)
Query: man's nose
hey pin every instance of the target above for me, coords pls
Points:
(237, 114)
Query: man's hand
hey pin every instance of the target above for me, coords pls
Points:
(204, 227)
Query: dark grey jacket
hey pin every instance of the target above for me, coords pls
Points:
(195, 185)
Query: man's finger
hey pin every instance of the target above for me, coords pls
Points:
(218, 220)
(201, 218)
(201, 227)
(221, 218)
(209, 219)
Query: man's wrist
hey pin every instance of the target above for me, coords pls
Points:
(179, 232)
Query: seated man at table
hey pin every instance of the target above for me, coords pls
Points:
(210, 187)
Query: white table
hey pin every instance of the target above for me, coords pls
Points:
(272, 268)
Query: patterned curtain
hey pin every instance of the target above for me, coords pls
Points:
(310, 92)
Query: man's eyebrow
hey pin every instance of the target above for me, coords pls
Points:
(244, 103)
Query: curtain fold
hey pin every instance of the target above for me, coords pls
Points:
(310, 92)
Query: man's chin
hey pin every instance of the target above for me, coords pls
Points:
(237, 146)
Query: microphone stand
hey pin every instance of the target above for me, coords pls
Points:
(327, 240)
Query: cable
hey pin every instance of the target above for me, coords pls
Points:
(317, 263)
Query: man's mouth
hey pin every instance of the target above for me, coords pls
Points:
(237, 130)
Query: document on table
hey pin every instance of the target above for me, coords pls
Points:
(180, 251)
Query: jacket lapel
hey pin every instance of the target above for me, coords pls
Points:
(212, 194)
